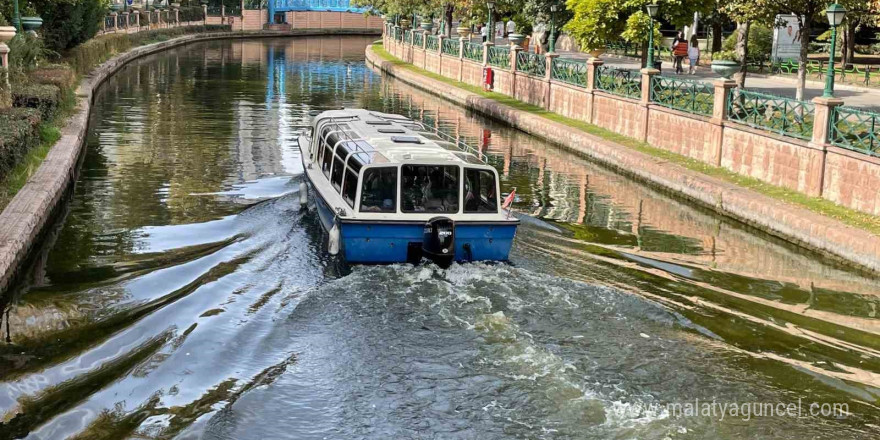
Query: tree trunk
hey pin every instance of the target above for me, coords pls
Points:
(802, 59)
(850, 51)
(645, 50)
(717, 32)
(742, 52)
(449, 10)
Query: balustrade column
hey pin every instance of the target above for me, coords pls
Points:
(648, 74)
(205, 12)
(125, 20)
(719, 114)
(822, 120)
(548, 75)
(222, 14)
(486, 46)
(137, 20)
(593, 65)
(460, 57)
(177, 16)
(115, 21)
(514, 54)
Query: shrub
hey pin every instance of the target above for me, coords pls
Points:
(60, 75)
(69, 23)
(18, 134)
(192, 13)
(724, 55)
(760, 42)
(44, 98)
(27, 51)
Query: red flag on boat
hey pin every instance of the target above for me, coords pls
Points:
(509, 199)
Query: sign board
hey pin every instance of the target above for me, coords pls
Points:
(786, 38)
(130, 2)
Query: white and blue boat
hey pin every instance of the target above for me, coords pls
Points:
(388, 190)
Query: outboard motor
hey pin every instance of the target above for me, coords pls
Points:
(438, 244)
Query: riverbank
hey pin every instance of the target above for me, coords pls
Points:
(779, 212)
(27, 216)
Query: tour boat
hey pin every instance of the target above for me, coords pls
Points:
(389, 190)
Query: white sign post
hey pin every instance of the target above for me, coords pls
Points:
(786, 38)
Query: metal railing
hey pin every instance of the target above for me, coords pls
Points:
(499, 56)
(569, 71)
(451, 47)
(214, 10)
(531, 63)
(473, 51)
(785, 116)
(433, 43)
(110, 22)
(686, 95)
(132, 19)
(620, 82)
(408, 36)
(418, 39)
(856, 130)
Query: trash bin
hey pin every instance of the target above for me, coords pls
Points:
(658, 65)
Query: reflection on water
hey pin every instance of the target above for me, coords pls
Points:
(188, 295)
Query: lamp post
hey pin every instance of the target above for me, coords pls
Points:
(490, 33)
(835, 14)
(17, 17)
(652, 12)
(552, 42)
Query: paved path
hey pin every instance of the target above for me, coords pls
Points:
(853, 95)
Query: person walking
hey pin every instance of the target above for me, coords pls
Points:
(693, 55)
(484, 32)
(679, 51)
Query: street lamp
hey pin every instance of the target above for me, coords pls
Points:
(552, 42)
(17, 18)
(652, 12)
(490, 33)
(835, 14)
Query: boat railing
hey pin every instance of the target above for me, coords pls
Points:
(455, 140)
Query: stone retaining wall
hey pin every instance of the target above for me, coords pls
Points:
(30, 212)
(815, 167)
(794, 224)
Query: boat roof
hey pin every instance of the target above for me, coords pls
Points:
(400, 139)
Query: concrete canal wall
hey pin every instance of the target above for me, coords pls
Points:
(692, 136)
(30, 212)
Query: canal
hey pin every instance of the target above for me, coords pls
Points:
(185, 294)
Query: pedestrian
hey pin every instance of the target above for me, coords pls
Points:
(679, 51)
(511, 27)
(693, 55)
(484, 32)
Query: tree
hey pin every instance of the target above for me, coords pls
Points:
(745, 12)
(596, 22)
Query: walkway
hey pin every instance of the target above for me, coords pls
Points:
(854, 96)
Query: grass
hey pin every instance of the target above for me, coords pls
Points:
(50, 132)
(818, 205)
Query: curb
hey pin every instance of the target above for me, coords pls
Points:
(28, 214)
(791, 223)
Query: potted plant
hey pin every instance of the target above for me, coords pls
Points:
(31, 21)
(7, 32)
(404, 23)
(516, 38)
(427, 24)
(463, 31)
(724, 63)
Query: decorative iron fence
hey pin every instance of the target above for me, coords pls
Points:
(499, 56)
(132, 19)
(531, 63)
(687, 95)
(569, 71)
(451, 47)
(473, 51)
(856, 129)
(233, 10)
(433, 43)
(785, 116)
(109, 22)
(418, 39)
(620, 82)
(214, 10)
(408, 36)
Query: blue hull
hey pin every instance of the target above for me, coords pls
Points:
(388, 242)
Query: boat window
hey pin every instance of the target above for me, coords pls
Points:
(479, 191)
(349, 188)
(379, 191)
(326, 160)
(430, 188)
(336, 174)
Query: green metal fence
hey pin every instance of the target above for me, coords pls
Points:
(408, 36)
(531, 63)
(620, 82)
(451, 47)
(856, 129)
(433, 43)
(499, 56)
(473, 51)
(569, 71)
(418, 39)
(686, 95)
(785, 116)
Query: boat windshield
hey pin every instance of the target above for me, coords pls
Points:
(429, 188)
(479, 191)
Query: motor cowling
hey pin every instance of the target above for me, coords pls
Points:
(438, 244)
